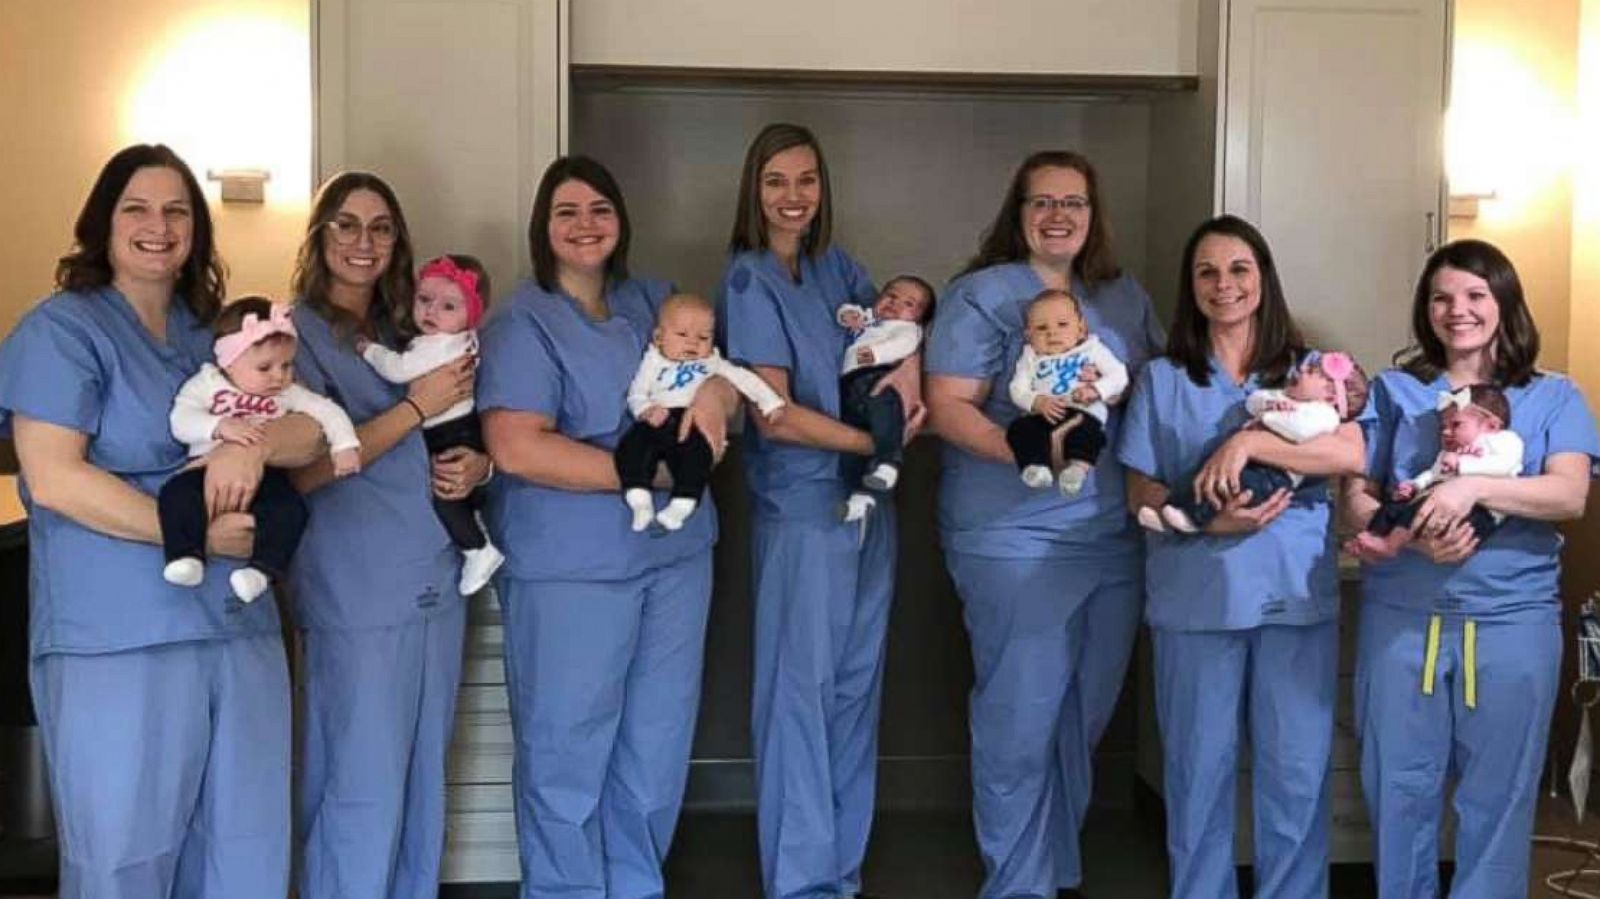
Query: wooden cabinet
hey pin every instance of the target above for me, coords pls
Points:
(1084, 37)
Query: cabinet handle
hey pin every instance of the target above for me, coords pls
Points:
(1429, 240)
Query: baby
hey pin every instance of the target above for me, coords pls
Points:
(1064, 381)
(451, 293)
(679, 359)
(1475, 438)
(1324, 390)
(881, 337)
(251, 382)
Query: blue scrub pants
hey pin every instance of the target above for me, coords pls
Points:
(823, 590)
(1111, 617)
(1282, 681)
(379, 712)
(170, 769)
(604, 678)
(1410, 742)
(1027, 619)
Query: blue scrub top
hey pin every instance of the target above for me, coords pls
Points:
(374, 553)
(83, 361)
(767, 317)
(1514, 574)
(539, 352)
(1285, 573)
(984, 508)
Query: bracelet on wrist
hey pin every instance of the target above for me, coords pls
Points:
(417, 409)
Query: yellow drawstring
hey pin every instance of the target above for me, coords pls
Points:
(1430, 661)
(1469, 659)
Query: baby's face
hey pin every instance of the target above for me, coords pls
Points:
(903, 301)
(1458, 428)
(439, 307)
(1054, 326)
(684, 333)
(266, 369)
(1311, 385)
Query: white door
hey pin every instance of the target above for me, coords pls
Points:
(459, 104)
(1333, 121)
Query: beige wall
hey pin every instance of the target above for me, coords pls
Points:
(1514, 96)
(81, 78)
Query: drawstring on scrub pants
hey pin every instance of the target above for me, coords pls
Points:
(1469, 658)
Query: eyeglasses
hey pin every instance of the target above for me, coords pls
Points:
(1040, 204)
(346, 230)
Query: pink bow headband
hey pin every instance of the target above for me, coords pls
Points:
(1338, 367)
(466, 279)
(254, 329)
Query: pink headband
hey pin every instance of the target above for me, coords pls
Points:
(446, 268)
(1338, 367)
(254, 330)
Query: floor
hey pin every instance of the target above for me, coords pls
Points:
(928, 855)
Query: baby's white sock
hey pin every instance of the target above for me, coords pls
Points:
(249, 583)
(643, 506)
(185, 572)
(676, 513)
(1037, 476)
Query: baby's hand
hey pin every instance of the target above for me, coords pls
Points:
(864, 356)
(240, 431)
(1406, 492)
(1089, 373)
(361, 345)
(655, 416)
(1280, 405)
(1085, 394)
(1053, 408)
(851, 319)
(776, 415)
(1449, 463)
(346, 462)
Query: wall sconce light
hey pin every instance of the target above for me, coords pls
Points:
(1465, 205)
(241, 185)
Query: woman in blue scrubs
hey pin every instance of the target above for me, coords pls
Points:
(1244, 616)
(375, 576)
(822, 586)
(1051, 586)
(164, 710)
(1460, 648)
(604, 627)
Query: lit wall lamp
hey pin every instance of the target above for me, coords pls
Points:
(241, 185)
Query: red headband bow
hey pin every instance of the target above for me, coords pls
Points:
(466, 279)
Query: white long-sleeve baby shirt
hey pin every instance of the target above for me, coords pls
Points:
(890, 339)
(1497, 454)
(1061, 373)
(208, 397)
(423, 354)
(1307, 418)
(672, 384)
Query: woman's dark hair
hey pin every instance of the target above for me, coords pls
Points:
(202, 280)
(592, 173)
(1278, 344)
(408, 324)
(1004, 240)
(1516, 344)
(312, 278)
(749, 222)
